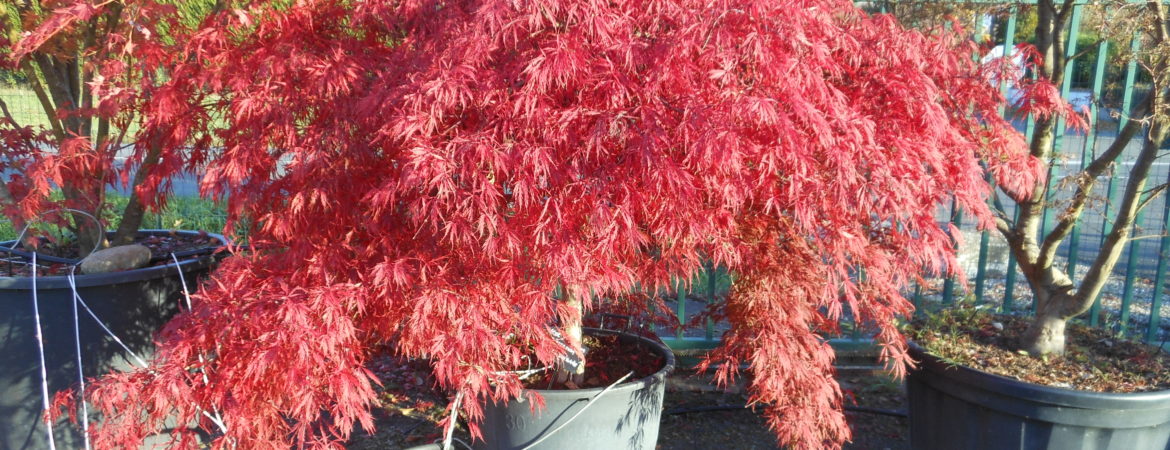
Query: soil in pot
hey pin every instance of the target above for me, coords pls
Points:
(1094, 360)
(161, 244)
(608, 358)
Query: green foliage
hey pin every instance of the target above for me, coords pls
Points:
(187, 213)
(937, 318)
(10, 78)
(1026, 23)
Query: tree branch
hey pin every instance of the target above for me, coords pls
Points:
(60, 86)
(1086, 181)
(1086, 50)
(1148, 236)
(1004, 226)
(1018, 199)
(998, 209)
(1062, 16)
(1115, 241)
(7, 114)
(1162, 28)
(46, 102)
(1153, 194)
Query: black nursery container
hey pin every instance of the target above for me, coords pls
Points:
(955, 407)
(134, 304)
(626, 417)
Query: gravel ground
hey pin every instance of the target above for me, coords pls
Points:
(1112, 296)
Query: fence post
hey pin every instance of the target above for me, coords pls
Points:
(1159, 278)
(1134, 246)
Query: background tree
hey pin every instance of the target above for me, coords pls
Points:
(94, 70)
(1058, 297)
(432, 171)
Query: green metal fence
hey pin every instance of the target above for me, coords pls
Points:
(1132, 303)
(23, 104)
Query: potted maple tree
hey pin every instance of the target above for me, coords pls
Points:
(984, 402)
(95, 71)
(432, 172)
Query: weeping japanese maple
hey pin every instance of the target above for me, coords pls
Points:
(427, 173)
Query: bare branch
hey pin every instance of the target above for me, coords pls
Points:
(1018, 199)
(1066, 8)
(1161, 27)
(1148, 236)
(1152, 194)
(1004, 226)
(998, 209)
(1087, 180)
(46, 103)
(1086, 50)
(1118, 235)
(7, 114)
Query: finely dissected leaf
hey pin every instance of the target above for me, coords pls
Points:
(432, 171)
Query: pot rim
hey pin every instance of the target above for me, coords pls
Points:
(101, 279)
(640, 383)
(1038, 392)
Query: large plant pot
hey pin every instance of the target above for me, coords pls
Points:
(134, 304)
(626, 417)
(956, 407)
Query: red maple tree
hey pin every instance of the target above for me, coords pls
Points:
(432, 170)
(95, 70)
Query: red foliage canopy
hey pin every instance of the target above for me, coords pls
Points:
(433, 169)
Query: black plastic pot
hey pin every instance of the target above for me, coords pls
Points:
(626, 417)
(134, 304)
(956, 407)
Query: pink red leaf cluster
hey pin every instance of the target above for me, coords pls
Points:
(1039, 97)
(433, 170)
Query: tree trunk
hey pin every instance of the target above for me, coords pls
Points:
(573, 337)
(1046, 336)
(1056, 300)
(135, 211)
(63, 84)
(90, 234)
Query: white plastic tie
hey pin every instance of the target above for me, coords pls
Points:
(215, 418)
(579, 411)
(450, 432)
(41, 352)
(97, 242)
(73, 285)
(80, 372)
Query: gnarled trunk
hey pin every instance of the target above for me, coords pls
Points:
(1046, 334)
